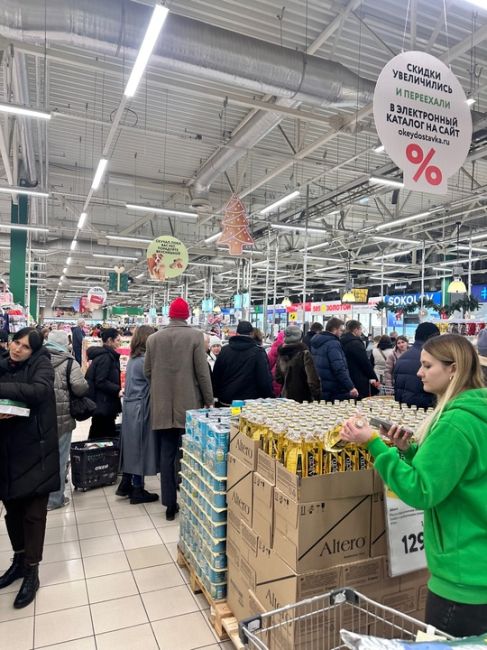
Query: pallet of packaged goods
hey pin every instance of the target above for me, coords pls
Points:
(306, 513)
(203, 514)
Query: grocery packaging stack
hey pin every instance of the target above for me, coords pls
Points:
(203, 515)
(306, 514)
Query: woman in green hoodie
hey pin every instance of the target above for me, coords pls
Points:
(445, 474)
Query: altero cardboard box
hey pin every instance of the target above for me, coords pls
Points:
(266, 466)
(244, 448)
(263, 508)
(239, 489)
(238, 593)
(317, 535)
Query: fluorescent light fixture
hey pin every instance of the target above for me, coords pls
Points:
(439, 268)
(100, 170)
(291, 227)
(392, 255)
(208, 240)
(74, 243)
(479, 3)
(325, 259)
(82, 220)
(482, 235)
(25, 111)
(157, 20)
(378, 277)
(379, 149)
(462, 261)
(24, 191)
(134, 239)
(170, 213)
(141, 275)
(400, 266)
(116, 257)
(68, 261)
(471, 101)
(314, 247)
(21, 226)
(65, 270)
(377, 180)
(474, 249)
(277, 204)
(205, 265)
(398, 222)
(394, 239)
(99, 268)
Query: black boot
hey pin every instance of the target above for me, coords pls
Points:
(29, 587)
(139, 495)
(14, 572)
(172, 512)
(125, 487)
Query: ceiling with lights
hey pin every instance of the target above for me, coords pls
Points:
(265, 99)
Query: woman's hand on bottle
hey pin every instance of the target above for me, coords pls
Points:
(357, 430)
(400, 438)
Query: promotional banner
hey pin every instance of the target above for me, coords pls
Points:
(97, 297)
(167, 257)
(423, 120)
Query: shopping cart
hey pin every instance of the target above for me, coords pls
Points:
(315, 623)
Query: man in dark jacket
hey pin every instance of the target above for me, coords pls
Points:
(241, 369)
(104, 380)
(361, 371)
(315, 328)
(78, 335)
(408, 387)
(331, 363)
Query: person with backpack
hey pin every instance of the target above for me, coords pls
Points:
(295, 368)
(68, 379)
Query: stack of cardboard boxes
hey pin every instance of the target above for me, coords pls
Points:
(290, 538)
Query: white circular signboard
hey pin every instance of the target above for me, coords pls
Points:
(423, 120)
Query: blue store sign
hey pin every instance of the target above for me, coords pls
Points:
(479, 291)
(410, 298)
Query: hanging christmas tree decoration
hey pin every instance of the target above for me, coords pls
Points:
(235, 227)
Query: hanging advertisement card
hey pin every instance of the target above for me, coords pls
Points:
(167, 257)
(97, 297)
(423, 120)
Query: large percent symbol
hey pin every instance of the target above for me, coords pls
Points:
(415, 155)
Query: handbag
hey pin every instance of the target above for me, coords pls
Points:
(80, 408)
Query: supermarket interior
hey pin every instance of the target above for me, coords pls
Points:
(243, 307)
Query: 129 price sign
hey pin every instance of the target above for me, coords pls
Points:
(405, 536)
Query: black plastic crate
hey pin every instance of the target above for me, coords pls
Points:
(91, 468)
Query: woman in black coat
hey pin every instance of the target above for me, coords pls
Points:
(29, 457)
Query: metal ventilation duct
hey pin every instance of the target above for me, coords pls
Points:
(194, 48)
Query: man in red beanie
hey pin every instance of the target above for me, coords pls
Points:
(177, 368)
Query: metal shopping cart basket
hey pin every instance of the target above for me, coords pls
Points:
(315, 623)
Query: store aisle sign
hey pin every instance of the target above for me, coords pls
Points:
(423, 120)
(479, 291)
(167, 257)
(405, 536)
(410, 298)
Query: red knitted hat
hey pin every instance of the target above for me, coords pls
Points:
(179, 308)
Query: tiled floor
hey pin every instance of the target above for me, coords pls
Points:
(109, 581)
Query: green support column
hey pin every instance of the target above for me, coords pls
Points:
(34, 305)
(18, 250)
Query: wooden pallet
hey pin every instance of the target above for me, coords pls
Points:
(221, 616)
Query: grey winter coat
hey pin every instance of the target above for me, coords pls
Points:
(177, 368)
(139, 449)
(79, 386)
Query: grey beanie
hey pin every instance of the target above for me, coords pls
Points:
(292, 335)
(59, 337)
(482, 343)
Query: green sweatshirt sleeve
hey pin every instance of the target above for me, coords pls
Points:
(434, 470)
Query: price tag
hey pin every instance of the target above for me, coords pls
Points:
(405, 537)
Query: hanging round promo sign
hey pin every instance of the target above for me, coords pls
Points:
(423, 120)
(167, 257)
(97, 296)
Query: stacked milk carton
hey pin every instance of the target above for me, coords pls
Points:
(203, 500)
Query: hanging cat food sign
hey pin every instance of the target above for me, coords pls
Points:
(97, 297)
(423, 120)
(167, 257)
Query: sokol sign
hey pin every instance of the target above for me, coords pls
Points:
(423, 120)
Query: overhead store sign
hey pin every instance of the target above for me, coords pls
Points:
(412, 298)
(167, 257)
(479, 291)
(423, 120)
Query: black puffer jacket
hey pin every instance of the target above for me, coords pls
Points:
(359, 366)
(29, 452)
(241, 371)
(103, 377)
(408, 387)
(295, 370)
(331, 363)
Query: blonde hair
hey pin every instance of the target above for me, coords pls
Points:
(452, 349)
